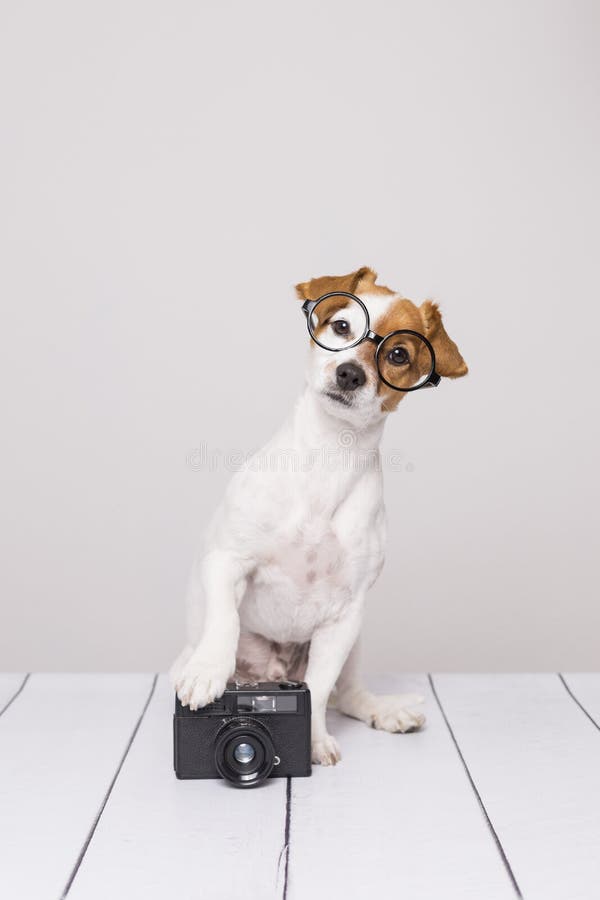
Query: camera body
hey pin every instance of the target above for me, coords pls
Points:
(254, 731)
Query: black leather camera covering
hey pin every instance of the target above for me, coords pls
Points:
(195, 732)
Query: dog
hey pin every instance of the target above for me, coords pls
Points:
(279, 589)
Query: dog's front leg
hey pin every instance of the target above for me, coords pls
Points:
(329, 647)
(206, 670)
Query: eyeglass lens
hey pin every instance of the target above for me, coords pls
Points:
(404, 361)
(337, 322)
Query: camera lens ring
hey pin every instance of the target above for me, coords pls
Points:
(259, 767)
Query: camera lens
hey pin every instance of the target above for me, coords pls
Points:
(244, 753)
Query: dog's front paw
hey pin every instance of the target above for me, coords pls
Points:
(391, 713)
(326, 751)
(200, 682)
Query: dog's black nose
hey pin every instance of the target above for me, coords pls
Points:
(349, 376)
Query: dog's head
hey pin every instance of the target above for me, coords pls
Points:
(347, 381)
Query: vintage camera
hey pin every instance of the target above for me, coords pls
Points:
(253, 732)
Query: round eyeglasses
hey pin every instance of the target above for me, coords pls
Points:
(405, 359)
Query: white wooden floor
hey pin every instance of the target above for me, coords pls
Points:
(498, 797)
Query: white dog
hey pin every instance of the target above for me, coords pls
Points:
(280, 587)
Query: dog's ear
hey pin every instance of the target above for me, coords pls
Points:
(362, 279)
(448, 361)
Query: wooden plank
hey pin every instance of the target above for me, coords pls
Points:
(159, 837)
(397, 817)
(535, 759)
(60, 744)
(584, 688)
(11, 685)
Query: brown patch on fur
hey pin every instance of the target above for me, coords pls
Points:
(361, 280)
(259, 659)
(402, 314)
(426, 320)
(448, 360)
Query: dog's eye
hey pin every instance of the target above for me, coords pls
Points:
(341, 327)
(398, 356)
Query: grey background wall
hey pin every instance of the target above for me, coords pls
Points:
(171, 170)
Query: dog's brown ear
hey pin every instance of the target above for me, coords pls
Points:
(362, 279)
(448, 360)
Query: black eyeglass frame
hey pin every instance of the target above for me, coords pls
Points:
(433, 378)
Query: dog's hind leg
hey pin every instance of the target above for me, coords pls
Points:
(390, 712)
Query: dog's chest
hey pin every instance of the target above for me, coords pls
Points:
(308, 575)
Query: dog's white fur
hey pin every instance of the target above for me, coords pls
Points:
(290, 555)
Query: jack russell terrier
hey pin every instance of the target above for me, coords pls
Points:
(279, 589)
